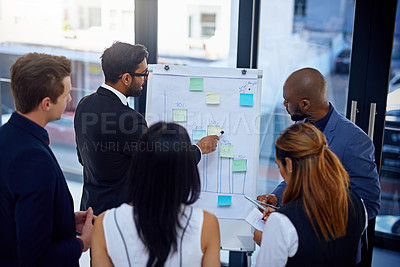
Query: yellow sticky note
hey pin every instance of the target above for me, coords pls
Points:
(226, 151)
(179, 115)
(214, 130)
(213, 99)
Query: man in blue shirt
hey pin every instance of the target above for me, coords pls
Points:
(38, 224)
(304, 94)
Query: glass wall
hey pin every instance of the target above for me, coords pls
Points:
(388, 220)
(79, 30)
(293, 35)
(198, 33)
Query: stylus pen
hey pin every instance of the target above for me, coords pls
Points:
(260, 204)
(266, 204)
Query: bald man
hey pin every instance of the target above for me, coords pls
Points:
(304, 94)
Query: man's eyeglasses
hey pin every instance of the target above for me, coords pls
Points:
(145, 75)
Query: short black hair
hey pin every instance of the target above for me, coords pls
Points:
(121, 58)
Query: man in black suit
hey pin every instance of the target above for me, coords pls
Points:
(107, 129)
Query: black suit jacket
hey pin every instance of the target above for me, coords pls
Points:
(107, 132)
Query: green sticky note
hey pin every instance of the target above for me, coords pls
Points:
(239, 165)
(179, 115)
(213, 99)
(226, 151)
(198, 134)
(224, 200)
(214, 130)
(196, 84)
(246, 100)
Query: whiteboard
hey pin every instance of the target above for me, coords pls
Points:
(204, 101)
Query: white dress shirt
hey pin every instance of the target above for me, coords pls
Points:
(279, 241)
(120, 95)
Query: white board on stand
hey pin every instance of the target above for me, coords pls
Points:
(206, 101)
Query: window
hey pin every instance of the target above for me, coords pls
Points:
(113, 13)
(80, 34)
(283, 50)
(94, 17)
(300, 8)
(128, 21)
(81, 17)
(199, 32)
(207, 25)
(388, 219)
(190, 27)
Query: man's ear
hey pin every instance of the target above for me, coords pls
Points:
(45, 104)
(304, 104)
(126, 79)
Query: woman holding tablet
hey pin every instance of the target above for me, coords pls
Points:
(321, 221)
(159, 227)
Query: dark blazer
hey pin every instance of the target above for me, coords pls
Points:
(356, 151)
(36, 209)
(107, 132)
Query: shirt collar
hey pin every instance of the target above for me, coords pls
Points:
(29, 126)
(120, 95)
(321, 124)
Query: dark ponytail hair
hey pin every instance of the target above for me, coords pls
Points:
(163, 176)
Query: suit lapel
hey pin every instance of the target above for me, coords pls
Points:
(330, 127)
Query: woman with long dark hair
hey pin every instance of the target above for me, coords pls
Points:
(159, 227)
(321, 221)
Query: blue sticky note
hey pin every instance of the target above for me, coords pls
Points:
(198, 134)
(246, 100)
(224, 200)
